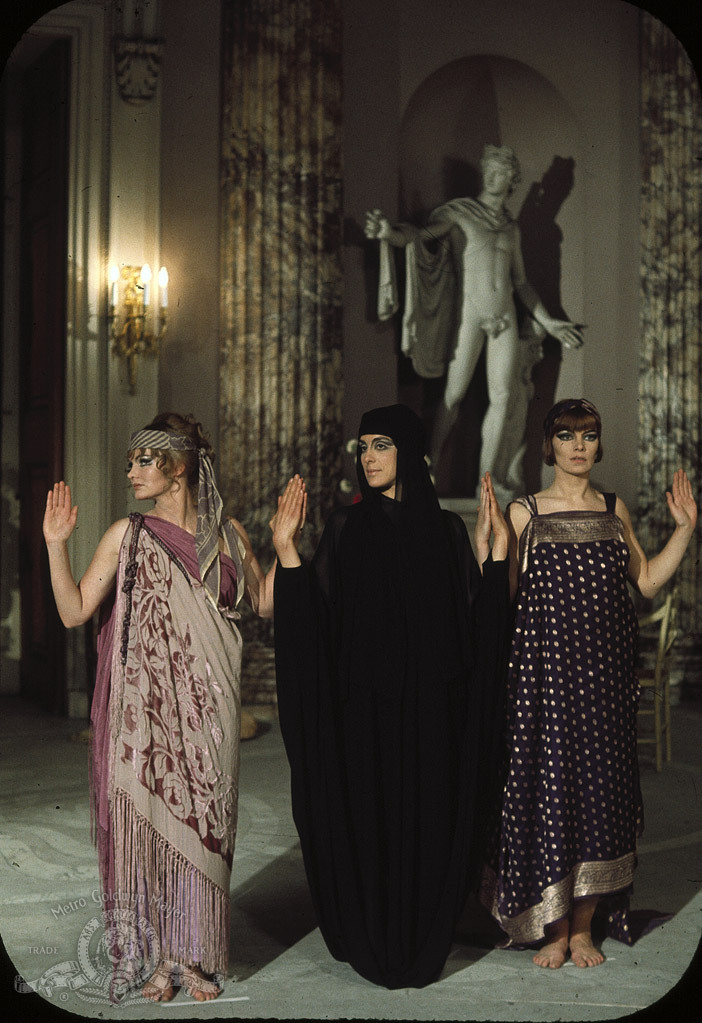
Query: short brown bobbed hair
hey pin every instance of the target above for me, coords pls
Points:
(571, 414)
(167, 460)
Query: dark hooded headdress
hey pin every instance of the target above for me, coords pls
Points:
(404, 427)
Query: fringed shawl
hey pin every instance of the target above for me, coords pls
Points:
(165, 762)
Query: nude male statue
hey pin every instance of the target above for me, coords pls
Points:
(462, 271)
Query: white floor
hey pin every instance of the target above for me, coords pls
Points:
(280, 967)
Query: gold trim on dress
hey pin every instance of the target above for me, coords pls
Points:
(568, 527)
(590, 878)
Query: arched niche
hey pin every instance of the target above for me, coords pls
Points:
(450, 117)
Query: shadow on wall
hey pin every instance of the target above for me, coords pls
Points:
(541, 248)
(451, 116)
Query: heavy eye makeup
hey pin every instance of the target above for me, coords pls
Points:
(142, 461)
(381, 444)
(566, 435)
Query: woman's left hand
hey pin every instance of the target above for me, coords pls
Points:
(490, 521)
(681, 501)
(482, 526)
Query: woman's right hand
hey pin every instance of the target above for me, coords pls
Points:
(59, 517)
(289, 519)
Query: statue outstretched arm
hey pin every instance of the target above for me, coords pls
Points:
(569, 334)
(378, 227)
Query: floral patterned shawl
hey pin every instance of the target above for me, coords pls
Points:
(166, 754)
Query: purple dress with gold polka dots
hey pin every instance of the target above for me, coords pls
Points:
(571, 805)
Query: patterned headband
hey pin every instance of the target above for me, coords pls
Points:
(209, 502)
(159, 440)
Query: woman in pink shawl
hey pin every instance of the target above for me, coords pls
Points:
(166, 708)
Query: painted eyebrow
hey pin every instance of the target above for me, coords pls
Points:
(377, 440)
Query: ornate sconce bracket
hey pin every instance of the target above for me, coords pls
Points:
(132, 339)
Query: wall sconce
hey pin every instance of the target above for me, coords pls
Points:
(132, 339)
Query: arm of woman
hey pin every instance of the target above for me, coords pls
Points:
(649, 574)
(256, 581)
(517, 518)
(287, 524)
(77, 602)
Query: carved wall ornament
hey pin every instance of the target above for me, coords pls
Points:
(137, 66)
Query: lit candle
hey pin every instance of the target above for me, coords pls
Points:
(163, 286)
(146, 281)
(113, 276)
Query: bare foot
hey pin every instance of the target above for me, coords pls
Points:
(198, 986)
(159, 986)
(583, 952)
(552, 955)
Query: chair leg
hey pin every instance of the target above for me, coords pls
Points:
(666, 713)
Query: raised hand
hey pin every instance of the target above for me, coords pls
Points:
(59, 517)
(482, 526)
(491, 522)
(681, 501)
(289, 519)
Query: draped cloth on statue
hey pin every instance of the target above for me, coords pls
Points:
(165, 753)
(391, 715)
(571, 809)
(434, 281)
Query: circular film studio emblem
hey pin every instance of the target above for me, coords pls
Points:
(117, 958)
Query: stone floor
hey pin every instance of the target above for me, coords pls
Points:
(280, 968)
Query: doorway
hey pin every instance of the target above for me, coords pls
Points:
(42, 345)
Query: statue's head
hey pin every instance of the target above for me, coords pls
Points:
(505, 157)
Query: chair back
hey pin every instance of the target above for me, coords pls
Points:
(666, 617)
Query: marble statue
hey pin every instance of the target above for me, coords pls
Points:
(463, 269)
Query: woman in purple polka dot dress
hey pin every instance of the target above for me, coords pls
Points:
(571, 808)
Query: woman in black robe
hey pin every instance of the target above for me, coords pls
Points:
(390, 649)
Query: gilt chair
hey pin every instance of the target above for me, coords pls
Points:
(655, 682)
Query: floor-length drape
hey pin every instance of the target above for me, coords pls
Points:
(280, 367)
(670, 404)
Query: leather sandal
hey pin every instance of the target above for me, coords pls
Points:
(161, 980)
(194, 980)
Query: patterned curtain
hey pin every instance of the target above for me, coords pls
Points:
(670, 399)
(281, 223)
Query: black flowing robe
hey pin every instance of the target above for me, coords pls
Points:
(391, 718)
